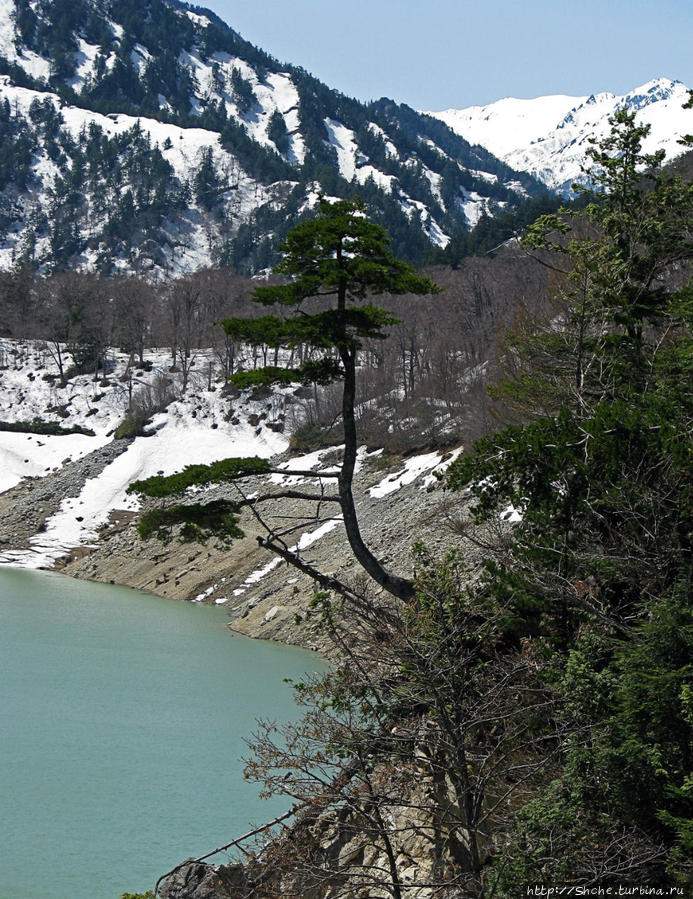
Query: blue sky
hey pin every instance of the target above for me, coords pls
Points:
(434, 54)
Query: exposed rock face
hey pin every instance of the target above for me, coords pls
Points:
(329, 856)
(197, 880)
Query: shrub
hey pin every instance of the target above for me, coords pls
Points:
(38, 426)
(145, 403)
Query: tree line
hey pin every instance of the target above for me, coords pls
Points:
(424, 387)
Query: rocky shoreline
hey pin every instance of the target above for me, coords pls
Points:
(264, 600)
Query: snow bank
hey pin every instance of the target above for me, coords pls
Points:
(31, 455)
(307, 539)
(413, 468)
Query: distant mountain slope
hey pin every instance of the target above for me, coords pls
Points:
(150, 136)
(549, 136)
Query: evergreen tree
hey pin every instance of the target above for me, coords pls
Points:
(336, 262)
(243, 93)
(278, 132)
(207, 185)
(600, 571)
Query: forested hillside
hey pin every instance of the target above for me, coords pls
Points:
(156, 139)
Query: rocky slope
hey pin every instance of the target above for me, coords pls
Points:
(65, 499)
(395, 500)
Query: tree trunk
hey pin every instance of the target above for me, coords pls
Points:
(394, 584)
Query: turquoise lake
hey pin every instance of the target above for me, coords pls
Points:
(122, 721)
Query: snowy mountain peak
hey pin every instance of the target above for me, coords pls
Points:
(549, 136)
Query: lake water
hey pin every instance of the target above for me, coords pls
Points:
(122, 718)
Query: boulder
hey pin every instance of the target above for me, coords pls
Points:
(197, 880)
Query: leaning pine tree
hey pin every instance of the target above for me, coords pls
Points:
(336, 262)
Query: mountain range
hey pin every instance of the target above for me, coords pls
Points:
(549, 136)
(150, 137)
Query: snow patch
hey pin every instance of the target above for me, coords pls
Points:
(179, 439)
(413, 468)
(307, 539)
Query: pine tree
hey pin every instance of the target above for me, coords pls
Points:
(336, 262)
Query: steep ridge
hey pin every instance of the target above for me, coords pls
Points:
(154, 138)
(549, 136)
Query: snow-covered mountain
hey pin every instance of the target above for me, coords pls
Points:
(549, 136)
(150, 136)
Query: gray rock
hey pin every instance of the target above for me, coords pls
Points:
(198, 880)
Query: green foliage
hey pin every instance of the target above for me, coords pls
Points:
(278, 133)
(600, 569)
(587, 487)
(199, 521)
(207, 184)
(614, 458)
(243, 93)
(625, 795)
(336, 262)
(123, 181)
(338, 258)
(131, 426)
(258, 161)
(38, 426)
(17, 145)
(490, 232)
(264, 377)
(200, 475)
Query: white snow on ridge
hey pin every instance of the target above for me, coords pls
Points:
(416, 209)
(140, 57)
(197, 19)
(342, 139)
(474, 206)
(86, 57)
(353, 165)
(7, 29)
(508, 124)
(186, 143)
(390, 148)
(278, 92)
(32, 63)
(548, 136)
